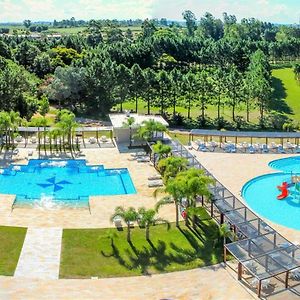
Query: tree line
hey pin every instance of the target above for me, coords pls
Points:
(208, 61)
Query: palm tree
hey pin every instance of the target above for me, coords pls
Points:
(41, 122)
(127, 215)
(5, 124)
(147, 218)
(225, 232)
(169, 167)
(196, 184)
(161, 150)
(44, 124)
(129, 124)
(67, 125)
(56, 133)
(148, 128)
(15, 120)
(176, 190)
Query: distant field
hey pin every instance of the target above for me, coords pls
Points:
(72, 30)
(66, 31)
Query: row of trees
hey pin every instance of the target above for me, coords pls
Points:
(210, 61)
(183, 187)
(145, 217)
(110, 84)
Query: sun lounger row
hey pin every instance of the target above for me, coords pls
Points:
(230, 147)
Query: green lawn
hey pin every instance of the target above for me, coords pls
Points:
(181, 137)
(287, 92)
(11, 242)
(286, 99)
(211, 111)
(88, 252)
(66, 31)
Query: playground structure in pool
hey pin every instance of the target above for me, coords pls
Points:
(292, 188)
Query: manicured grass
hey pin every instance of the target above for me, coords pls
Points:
(88, 252)
(211, 111)
(11, 242)
(285, 99)
(181, 137)
(286, 93)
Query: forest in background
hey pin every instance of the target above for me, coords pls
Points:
(207, 73)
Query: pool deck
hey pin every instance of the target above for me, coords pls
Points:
(233, 170)
(206, 283)
(214, 282)
(101, 207)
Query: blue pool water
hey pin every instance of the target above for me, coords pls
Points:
(70, 182)
(261, 194)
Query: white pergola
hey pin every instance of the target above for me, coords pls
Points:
(121, 132)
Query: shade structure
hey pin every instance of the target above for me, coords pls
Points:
(259, 248)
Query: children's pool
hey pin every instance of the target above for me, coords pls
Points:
(261, 194)
(69, 182)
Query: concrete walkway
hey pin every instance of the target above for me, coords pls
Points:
(40, 256)
(208, 283)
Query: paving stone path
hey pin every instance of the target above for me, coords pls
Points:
(40, 255)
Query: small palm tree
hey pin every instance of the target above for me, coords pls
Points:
(129, 124)
(225, 232)
(148, 217)
(148, 130)
(196, 183)
(127, 215)
(15, 121)
(176, 190)
(169, 167)
(161, 150)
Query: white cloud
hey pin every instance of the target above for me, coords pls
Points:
(268, 10)
(18, 10)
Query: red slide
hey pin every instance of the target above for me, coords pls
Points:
(284, 191)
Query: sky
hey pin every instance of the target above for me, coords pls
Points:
(277, 11)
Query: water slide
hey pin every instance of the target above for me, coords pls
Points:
(284, 191)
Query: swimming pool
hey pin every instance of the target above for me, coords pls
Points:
(67, 182)
(261, 194)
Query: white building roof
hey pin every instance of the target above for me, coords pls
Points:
(118, 120)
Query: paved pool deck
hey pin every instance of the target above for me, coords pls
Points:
(208, 283)
(233, 170)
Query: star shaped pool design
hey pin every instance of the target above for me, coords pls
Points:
(57, 186)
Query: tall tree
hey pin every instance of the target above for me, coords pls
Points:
(137, 84)
(123, 84)
(190, 19)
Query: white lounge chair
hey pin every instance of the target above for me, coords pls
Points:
(281, 150)
(103, 139)
(155, 183)
(33, 140)
(92, 140)
(295, 274)
(117, 221)
(154, 177)
(143, 159)
(30, 152)
(264, 283)
(18, 139)
(15, 151)
(273, 146)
